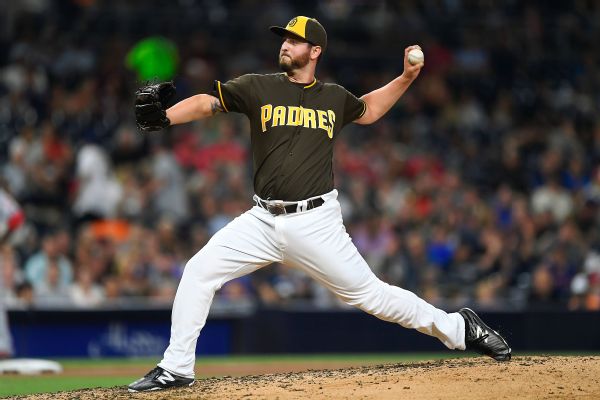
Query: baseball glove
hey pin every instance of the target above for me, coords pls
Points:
(151, 101)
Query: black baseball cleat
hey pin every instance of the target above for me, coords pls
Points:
(159, 379)
(482, 339)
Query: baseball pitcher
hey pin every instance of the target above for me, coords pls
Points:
(295, 120)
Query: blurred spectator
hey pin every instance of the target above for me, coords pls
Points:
(543, 291)
(164, 277)
(112, 289)
(237, 291)
(168, 186)
(552, 198)
(52, 291)
(37, 266)
(15, 172)
(25, 297)
(440, 249)
(99, 193)
(372, 241)
(592, 300)
(84, 292)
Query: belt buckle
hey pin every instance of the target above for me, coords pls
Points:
(276, 208)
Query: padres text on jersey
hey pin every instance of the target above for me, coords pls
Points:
(297, 116)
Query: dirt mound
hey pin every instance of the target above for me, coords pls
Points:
(473, 378)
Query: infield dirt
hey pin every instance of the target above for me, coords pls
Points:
(472, 378)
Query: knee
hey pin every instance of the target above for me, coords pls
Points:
(374, 302)
(386, 302)
(367, 297)
(200, 269)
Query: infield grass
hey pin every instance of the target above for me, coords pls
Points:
(12, 385)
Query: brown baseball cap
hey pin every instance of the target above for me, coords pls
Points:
(305, 28)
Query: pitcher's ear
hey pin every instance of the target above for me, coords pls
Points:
(316, 51)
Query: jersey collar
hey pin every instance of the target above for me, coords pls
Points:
(310, 85)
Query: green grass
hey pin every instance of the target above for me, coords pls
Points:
(11, 385)
(20, 385)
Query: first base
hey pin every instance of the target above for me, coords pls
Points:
(29, 366)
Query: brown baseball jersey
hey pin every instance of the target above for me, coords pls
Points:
(293, 128)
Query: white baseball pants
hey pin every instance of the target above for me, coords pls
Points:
(314, 241)
(6, 347)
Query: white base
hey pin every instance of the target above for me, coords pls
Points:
(29, 366)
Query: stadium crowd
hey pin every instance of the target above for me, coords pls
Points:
(481, 187)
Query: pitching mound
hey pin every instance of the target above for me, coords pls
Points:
(473, 378)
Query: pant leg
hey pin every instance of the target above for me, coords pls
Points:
(319, 245)
(244, 245)
(6, 347)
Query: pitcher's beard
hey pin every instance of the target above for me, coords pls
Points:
(286, 66)
(290, 64)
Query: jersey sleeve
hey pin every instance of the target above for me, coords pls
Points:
(354, 107)
(235, 95)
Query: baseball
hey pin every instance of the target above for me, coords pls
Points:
(416, 56)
